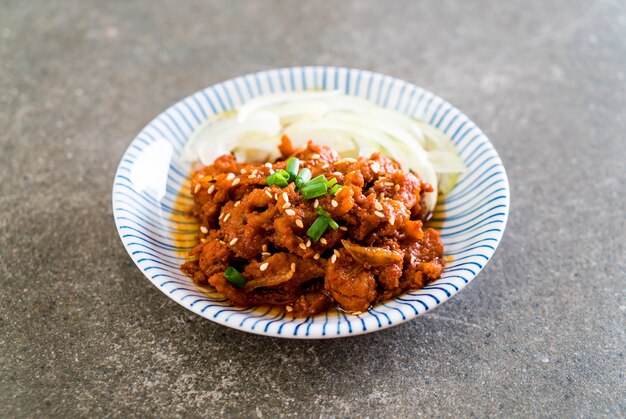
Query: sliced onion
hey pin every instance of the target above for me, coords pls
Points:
(260, 102)
(268, 281)
(374, 256)
(224, 135)
(351, 125)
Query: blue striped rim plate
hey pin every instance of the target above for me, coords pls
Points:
(150, 218)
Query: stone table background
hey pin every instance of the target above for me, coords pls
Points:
(540, 332)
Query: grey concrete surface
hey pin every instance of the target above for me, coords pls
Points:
(539, 333)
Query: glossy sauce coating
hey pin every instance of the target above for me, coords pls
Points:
(379, 251)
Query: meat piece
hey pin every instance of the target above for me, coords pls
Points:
(285, 147)
(344, 201)
(285, 236)
(362, 219)
(212, 256)
(191, 268)
(428, 248)
(311, 303)
(284, 269)
(389, 276)
(245, 225)
(322, 154)
(351, 286)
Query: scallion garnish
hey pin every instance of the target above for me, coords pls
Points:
(234, 277)
(279, 178)
(317, 229)
(310, 188)
(332, 223)
(335, 189)
(317, 179)
(303, 178)
(313, 190)
(293, 164)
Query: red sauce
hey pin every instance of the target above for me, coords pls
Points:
(380, 250)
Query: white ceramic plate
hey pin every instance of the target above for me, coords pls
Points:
(147, 204)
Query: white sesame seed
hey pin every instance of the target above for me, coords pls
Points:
(254, 172)
(271, 171)
(264, 248)
(237, 203)
(211, 189)
(412, 260)
(343, 228)
(323, 241)
(325, 166)
(308, 243)
(375, 167)
(236, 181)
(397, 188)
(202, 240)
(378, 206)
(333, 259)
(293, 267)
(251, 177)
(204, 229)
(299, 223)
(336, 252)
(200, 176)
(315, 156)
(289, 309)
(316, 203)
(220, 217)
(233, 241)
(285, 197)
(389, 184)
(230, 176)
(226, 217)
(392, 220)
(268, 164)
(290, 212)
(302, 246)
(197, 188)
(334, 203)
(276, 196)
(264, 266)
(243, 171)
(349, 160)
(265, 254)
(379, 214)
(286, 205)
(316, 256)
(338, 174)
(268, 193)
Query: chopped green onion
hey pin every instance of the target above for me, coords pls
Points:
(313, 190)
(317, 179)
(320, 211)
(303, 178)
(279, 177)
(335, 189)
(331, 183)
(234, 277)
(293, 163)
(317, 229)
